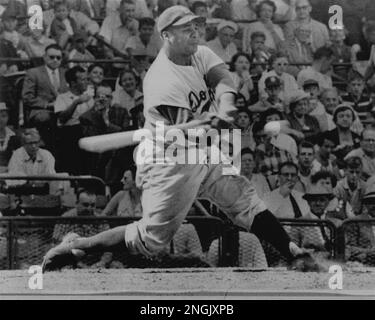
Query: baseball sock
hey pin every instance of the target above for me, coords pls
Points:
(266, 227)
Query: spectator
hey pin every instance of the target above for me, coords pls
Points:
(12, 44)
(298, 49)
(243, 121)
(282, 139)
(352, 188)
(141, 9)
(273, 88)
(127, 202)
(95, 78)
(36, 43)
(80, 51)
(126, 95)
(67, 22)
(316, 108)
(279, 64)
(244, 9)
(307, 165)
(319, 71)
(69, 106)
(338, 210)
(260, 54)
(343, 137)
(200, 9)
(101, 119)
(319, 32)
(223, 44)
(285, 201)
(118, 27)
(269, 154)
(40, 89)
(325, 158)
(30, 159)
(240, 71)
(356, 96)
(85, 207)
(274, 35)
(8, 139)
(146, 42)
(94, 9)
(248, 165)
(302, 126)
(342, 53)
(366, 152)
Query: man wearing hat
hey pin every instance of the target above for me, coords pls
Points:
(223, 44)
(169, 191)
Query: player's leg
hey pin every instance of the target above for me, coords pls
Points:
(168, 194)
(237, 198)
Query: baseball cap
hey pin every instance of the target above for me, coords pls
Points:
(310, 82)
(272, 82)
(176, 16)
(227, 23)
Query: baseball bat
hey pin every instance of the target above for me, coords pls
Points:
(111, 141)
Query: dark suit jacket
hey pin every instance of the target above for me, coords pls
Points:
(97, 5)
(92, 122)
(38, 90)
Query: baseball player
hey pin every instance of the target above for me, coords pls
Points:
(184, 82)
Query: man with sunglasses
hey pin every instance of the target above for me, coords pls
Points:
(40, 90)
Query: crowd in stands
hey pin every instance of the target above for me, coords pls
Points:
(287, 66)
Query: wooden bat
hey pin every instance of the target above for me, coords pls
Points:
(113, 141)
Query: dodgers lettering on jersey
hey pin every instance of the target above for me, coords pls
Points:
(182, 91)
(183, 87)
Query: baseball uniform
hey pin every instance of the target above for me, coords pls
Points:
(177, 94)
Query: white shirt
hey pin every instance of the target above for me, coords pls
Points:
(225, 54)
(282, 207)
(64, 101)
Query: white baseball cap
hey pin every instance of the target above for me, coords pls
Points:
(227, 23)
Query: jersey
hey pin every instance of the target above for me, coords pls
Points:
(175, 94)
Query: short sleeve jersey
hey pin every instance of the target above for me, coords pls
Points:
(183, 87)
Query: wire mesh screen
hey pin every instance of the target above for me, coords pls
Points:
(200, 242)
(359, 242)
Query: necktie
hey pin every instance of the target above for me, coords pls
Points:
(296, 209)
(55, 80)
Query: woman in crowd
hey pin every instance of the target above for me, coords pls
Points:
(240, 71)
(302, 126)
(127, 202)
(343, 137)
(127, 94)
(95, 77)
(274, 34)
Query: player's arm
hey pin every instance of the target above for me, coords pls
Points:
(220, 79)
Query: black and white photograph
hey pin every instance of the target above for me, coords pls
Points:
(161, 150)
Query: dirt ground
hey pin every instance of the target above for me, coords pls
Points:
(209, 283)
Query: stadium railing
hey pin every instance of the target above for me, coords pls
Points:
(25, 240)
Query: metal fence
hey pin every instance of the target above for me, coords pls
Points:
(200, 242)
(358, 243)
